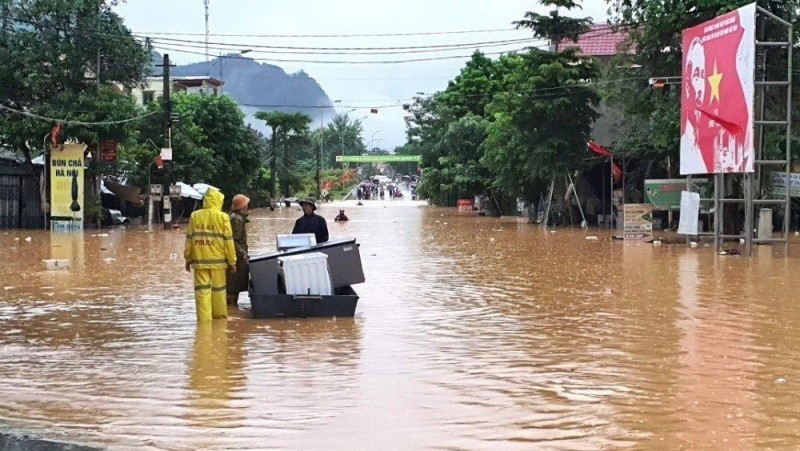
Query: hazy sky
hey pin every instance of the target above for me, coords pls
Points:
(385, 86)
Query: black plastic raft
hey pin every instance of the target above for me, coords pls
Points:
(341, 304)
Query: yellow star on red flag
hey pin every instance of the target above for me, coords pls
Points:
(714, 80)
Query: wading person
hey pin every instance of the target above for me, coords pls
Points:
(341, 217)
(239, 280)
(209, 250)
(311, 222)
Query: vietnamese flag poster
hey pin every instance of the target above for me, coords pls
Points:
(717, 93)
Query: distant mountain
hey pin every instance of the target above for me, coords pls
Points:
(262, 87)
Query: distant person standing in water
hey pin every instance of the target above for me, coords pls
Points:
(311, 222)
(341, 217)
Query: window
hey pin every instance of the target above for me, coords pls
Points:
(148, 97)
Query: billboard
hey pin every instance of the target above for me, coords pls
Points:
(665, 194)
(66, 187)
(717, 92)
(376, 158)
(779, 184)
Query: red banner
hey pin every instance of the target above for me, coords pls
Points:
(717, 94)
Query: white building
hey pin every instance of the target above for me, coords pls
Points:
(154, 87)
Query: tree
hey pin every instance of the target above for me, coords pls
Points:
(54, 47)
(447, 130)
(555, 27)
(543, 117)
(541, 121)
(342, 137)
(289, 131)
(211, 144)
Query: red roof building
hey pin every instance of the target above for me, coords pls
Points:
(600, 41)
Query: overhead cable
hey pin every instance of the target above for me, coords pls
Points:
(73, 122)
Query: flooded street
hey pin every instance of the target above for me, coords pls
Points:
(470, 332)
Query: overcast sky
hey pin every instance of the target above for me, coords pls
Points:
(360, 86)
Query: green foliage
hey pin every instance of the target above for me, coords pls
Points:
(289, 135)
(507, 126)
(210, 142)
(50, 50)
(554, 26)
(342, 136)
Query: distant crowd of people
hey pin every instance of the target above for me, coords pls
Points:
(374, 191)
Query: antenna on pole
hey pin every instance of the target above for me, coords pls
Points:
(205, 2)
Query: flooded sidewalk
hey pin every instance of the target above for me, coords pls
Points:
(471, 332)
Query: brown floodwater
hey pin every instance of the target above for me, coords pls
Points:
(471, 332)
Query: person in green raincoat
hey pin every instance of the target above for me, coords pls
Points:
(240, 280)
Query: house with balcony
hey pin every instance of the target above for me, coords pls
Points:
(154, 87)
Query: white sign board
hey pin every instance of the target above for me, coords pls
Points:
(690, 211)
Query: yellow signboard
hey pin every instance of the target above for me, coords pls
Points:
(66, 187)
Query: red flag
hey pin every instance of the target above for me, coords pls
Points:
(55, 134)
(729, 126)
(598, 149)
(616, 172)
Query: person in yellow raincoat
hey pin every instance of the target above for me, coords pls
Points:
(210, 251)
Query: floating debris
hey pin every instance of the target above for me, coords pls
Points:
(53, 264)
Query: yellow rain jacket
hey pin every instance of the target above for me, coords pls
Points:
(209, 239)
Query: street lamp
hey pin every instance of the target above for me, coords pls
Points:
(346, 114)
(221, 60)
(372, 140)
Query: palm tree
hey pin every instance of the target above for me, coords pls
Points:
(286, 128)
(347, 133)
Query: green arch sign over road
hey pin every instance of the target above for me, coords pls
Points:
(376, 158)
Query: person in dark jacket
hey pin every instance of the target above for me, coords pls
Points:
(238, 281)
(341, 217)
(310, 222)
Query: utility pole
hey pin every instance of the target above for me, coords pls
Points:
(319, 156)
(205, 2)
(166, 204)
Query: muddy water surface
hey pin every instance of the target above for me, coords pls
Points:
(470, 333)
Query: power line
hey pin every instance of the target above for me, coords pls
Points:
(596, 32)
(72, 122)
(372, 52)
(351, 35)
(339, 49)
(413, 60)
